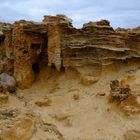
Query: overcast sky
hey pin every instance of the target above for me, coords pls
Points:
(121, 13)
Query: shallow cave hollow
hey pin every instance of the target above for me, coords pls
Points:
(43, 56)
(36, 67)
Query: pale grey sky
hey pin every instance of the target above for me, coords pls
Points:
(121, 13)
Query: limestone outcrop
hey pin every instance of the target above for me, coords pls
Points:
(26, 46)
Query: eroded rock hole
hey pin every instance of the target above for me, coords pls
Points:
(36, 67)
(62, 69)
(35, 45)
(1, 40)
(25, 52)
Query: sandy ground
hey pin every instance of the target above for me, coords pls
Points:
(75, 111)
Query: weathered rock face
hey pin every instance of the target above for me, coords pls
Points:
(98, 43)
(27, 50)
(26, 47)
(6, 61)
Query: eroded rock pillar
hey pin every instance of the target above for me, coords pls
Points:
(27, 48)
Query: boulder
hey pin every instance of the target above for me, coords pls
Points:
(7, 82)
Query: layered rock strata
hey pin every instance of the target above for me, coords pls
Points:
(26, 46)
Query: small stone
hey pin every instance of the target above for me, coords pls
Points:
(61, 116)
(68, 123)
(100, 94)
(88, 80)
(44, 102)
(20, 95)
(76, 96)
(108, 109)
(3, 98)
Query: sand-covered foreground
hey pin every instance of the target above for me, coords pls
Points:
(59, 107)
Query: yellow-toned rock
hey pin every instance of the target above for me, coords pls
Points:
(43, 102)
(88, 80)
(3, 98)
(22, 130)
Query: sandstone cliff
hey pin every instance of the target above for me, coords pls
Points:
(26, 47)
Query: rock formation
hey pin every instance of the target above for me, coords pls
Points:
(122, 95)
(22, 130)
(26, 46)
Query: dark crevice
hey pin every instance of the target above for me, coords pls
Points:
(53, 66)
(2, 39)
(42, 60)
(24, 52)
(35, 45)
(36, 67)
(62, 69)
